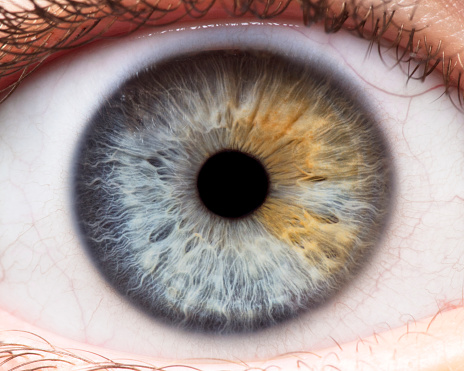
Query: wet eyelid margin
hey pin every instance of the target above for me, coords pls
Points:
(32, 32)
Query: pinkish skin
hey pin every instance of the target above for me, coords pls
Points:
(435, 343)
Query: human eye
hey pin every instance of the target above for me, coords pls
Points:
(423, 231)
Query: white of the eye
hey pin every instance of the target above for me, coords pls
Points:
(47, 279)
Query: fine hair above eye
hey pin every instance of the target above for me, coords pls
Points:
(204, 266)
(26, 31)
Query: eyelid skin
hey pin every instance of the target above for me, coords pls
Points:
(429, 31)
(432, 344)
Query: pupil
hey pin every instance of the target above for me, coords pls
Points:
(232, 184)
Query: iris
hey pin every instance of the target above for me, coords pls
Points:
(228, 191)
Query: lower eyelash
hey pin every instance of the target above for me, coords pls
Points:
(143, 223)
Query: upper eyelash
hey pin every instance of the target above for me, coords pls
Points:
(20, 29)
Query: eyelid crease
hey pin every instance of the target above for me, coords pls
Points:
(33, 33)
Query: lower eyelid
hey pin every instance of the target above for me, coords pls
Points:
(433, 343)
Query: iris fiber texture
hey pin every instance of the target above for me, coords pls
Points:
(145, 226)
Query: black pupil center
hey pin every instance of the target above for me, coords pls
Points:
(232, 184)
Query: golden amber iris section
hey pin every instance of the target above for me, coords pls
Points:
(322, 154)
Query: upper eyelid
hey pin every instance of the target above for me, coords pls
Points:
(28, 35)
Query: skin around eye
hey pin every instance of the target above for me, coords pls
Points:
(430, 31)
(433, 344)
(450, 339)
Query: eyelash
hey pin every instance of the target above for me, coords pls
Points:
(22, 30)
(48, 356)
